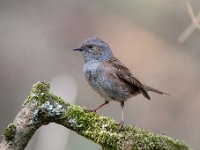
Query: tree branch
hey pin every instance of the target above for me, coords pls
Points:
(194, 25)
(42, 107)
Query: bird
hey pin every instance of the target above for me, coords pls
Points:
(108, 76)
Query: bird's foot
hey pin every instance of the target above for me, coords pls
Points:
(91, 110)
(121, 126)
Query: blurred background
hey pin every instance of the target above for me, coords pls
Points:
(36, 42)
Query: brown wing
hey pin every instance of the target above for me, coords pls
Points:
(125, 75)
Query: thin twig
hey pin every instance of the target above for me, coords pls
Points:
(191, 13)
(194, 25)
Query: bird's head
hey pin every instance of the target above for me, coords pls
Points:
(95, 49)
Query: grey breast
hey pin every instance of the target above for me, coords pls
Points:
(109, 87)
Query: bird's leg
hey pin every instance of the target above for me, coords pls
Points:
(121, 124)
(105, 103)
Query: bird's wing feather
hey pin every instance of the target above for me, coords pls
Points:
(124, 74)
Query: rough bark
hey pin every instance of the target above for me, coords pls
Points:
(42, 107)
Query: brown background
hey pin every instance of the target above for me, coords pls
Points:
(36, 41)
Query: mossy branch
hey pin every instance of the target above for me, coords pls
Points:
(42, 107)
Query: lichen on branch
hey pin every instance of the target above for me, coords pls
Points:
(42, 107)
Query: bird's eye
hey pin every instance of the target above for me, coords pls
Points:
(91, 46)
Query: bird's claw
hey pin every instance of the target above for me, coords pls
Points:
(91, 110)
(121, 125)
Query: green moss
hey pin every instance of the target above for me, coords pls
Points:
(94, 126)
(105, 131)
(100, 129)
(27, 100)
(41, 87)
(59, 100)
(40, 94)
(9, 132)
(148, 140)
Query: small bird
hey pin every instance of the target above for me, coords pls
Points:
(108, 76)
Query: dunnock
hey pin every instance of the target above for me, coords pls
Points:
(108, 76)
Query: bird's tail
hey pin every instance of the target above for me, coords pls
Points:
(148, 88)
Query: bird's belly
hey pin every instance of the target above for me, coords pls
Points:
(109, 89)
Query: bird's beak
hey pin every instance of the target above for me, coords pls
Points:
(78, 49)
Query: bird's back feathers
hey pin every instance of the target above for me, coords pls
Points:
(124, 74)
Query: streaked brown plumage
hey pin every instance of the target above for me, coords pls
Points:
(108, 76)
